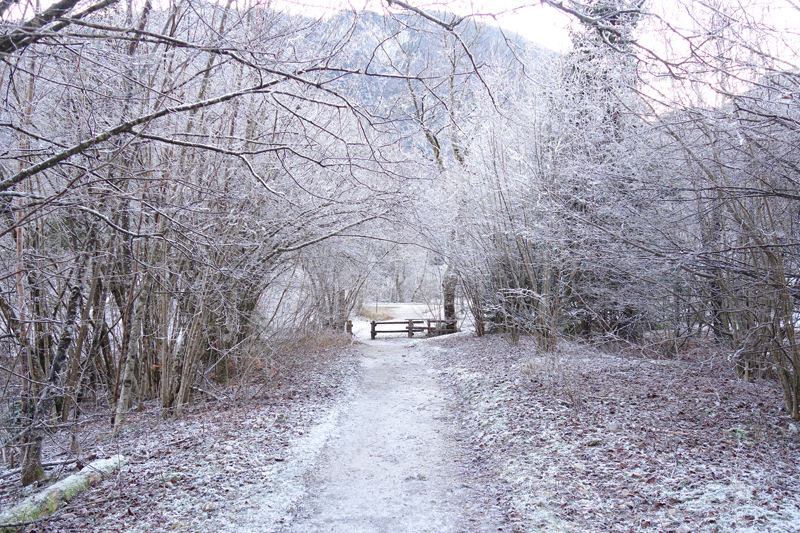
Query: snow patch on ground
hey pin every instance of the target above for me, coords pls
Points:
(394, 465)
(247, 485)
(284, 485)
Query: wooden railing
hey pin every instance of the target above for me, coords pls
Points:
(412, 325)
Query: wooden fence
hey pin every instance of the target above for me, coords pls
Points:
(414, 325)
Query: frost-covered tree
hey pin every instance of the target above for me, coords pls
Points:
(162, 166)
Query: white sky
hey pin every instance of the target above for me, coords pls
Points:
(536, 23)
(549, 27)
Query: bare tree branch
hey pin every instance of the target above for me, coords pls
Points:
(29, 32)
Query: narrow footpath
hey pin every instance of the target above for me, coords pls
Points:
(393, 465)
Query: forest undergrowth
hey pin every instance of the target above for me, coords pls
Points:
(592, 441)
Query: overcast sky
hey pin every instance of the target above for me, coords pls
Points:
(549, 27)
(542, 25)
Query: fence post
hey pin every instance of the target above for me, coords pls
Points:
(373, 332)
(410, 328)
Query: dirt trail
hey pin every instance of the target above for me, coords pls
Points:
(393, 464)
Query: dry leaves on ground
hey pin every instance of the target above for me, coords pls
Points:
(202, 471)
(578, 440)
(592, 441)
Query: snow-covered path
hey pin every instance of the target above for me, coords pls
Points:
(394, 464)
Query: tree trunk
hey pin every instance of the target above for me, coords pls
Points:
(32, 470)
(449, 284)
(73, 379)
(131, 357)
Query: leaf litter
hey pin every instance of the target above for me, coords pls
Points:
(221, 466)
(595, 441)
(578, 440)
